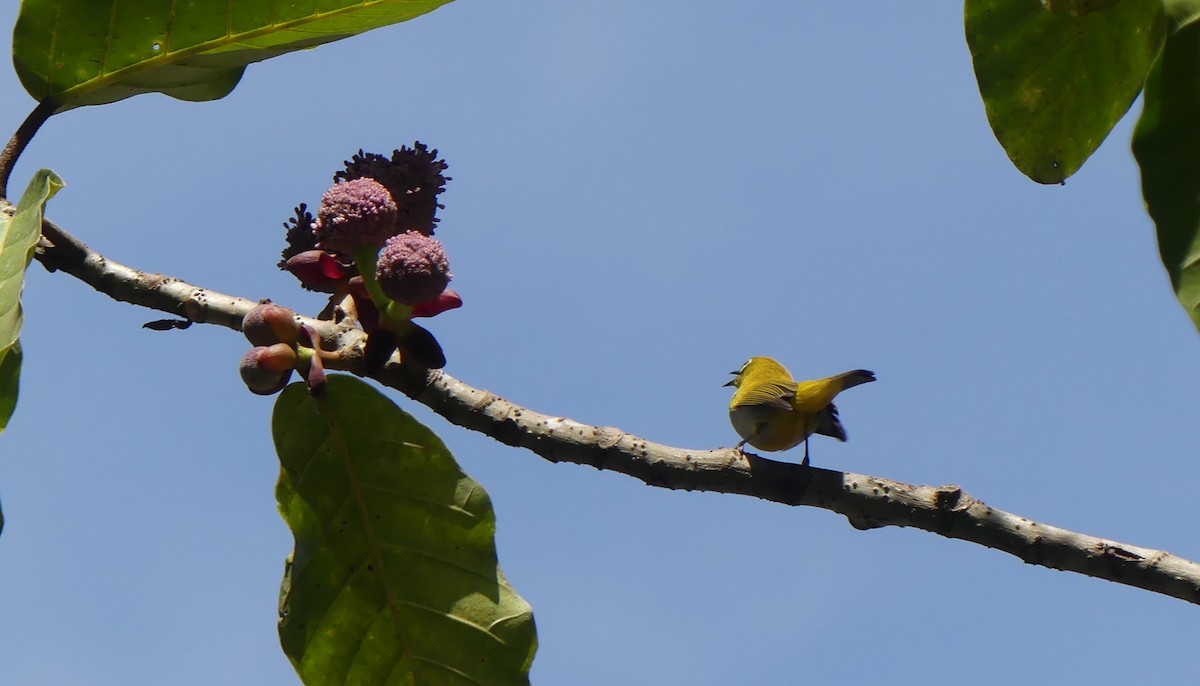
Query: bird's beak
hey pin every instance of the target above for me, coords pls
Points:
(732, 382)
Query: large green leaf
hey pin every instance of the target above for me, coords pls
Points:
(19, 234)
(1054, 84)
(394, 578)
(89, 52)
(10, 373)
(1166, 143)
(10, 378)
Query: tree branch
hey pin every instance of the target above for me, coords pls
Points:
(866, 501)
(16, 145)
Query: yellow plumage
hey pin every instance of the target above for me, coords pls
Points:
(771, 411)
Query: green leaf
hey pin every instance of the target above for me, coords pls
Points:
(394, 578)
(19, 234)
(10, 377)
(1078, 8)
(1180, 12)
(90, 52)
(1054, 84)
(1166, 143)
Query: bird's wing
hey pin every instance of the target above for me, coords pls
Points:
(778, 394)
(828, 423)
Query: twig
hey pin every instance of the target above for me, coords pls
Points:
(16, 145)
(866, 501)
(60, 250)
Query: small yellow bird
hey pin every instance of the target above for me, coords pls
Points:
(772, 411)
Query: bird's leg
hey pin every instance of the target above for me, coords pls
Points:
(804, 462)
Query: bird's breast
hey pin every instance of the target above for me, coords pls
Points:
(771, 428)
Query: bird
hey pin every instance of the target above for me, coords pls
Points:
(772, 411)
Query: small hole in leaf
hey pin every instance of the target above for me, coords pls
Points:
(156, 46)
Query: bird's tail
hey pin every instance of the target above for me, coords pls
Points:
(828, 423)
(856, 377)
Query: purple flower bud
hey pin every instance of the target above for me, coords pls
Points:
(317, 270)
(269, 323)
(299, 233)
(355, 214)
(266, 369)
(414, 176)
(412, 268)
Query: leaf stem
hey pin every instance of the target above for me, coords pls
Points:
(20, 139)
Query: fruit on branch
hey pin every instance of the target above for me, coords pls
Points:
(414, 176)
(371, 240)
(266, 368)
(412, 268)
(355, 215)
(299, 234)
(269, 323)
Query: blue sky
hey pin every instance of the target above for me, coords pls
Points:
(644, 195)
